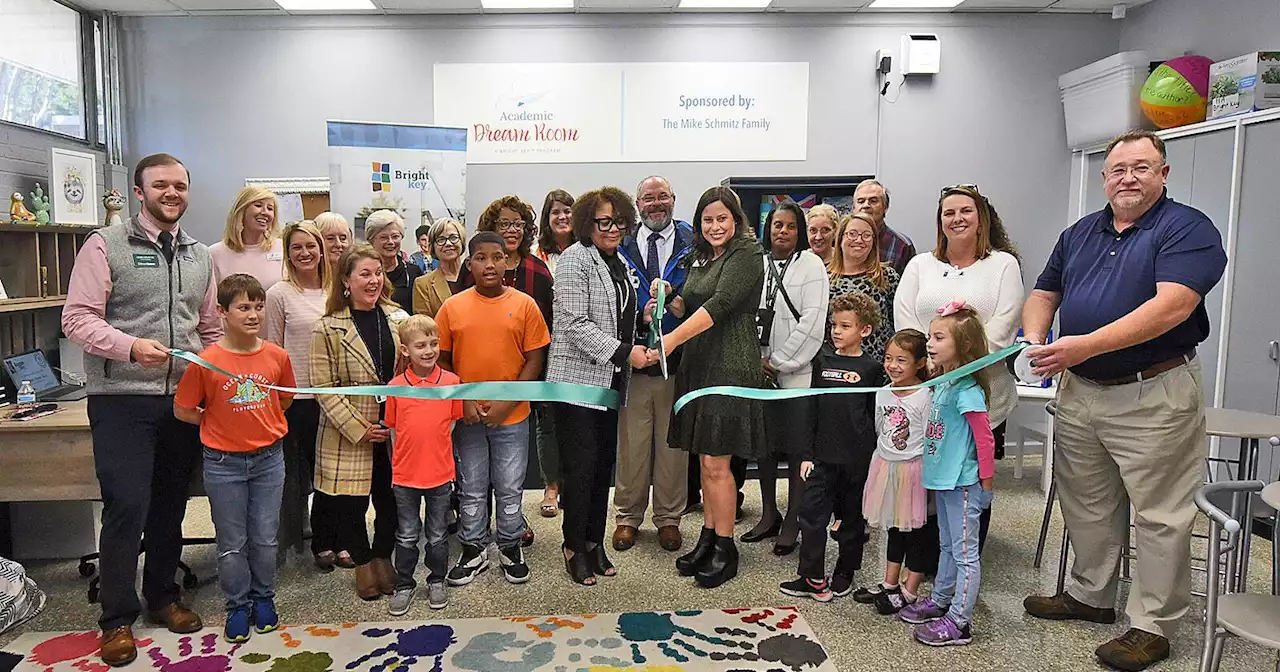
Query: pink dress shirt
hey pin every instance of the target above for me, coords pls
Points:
(84, 317)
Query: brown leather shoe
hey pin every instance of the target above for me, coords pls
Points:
(624, 537)
(118, 647)
(669, 537)
(1063, 607)
(386, 574)
(176, 617)
(1134, 650)
(367, 582)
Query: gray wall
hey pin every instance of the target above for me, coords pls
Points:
(1218, 29)
(24, 161)
(241, 97)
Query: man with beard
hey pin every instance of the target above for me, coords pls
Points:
(653, 250)
(139, 288)
(872, 198)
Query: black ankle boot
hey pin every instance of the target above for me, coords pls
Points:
(722, 566)
(689, 563)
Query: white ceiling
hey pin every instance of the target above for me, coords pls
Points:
(207, 7)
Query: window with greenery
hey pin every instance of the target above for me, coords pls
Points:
(40, 66)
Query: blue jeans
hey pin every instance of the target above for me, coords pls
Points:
(244, 491)
(497, 457)
(409, 532)
(959, 569)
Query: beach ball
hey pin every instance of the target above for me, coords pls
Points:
(1177, 92)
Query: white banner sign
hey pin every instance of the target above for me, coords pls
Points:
(589, 112)
(419, 171)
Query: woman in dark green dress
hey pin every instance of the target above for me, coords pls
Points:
(721, 347)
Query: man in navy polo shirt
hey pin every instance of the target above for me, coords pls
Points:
(1128, 284)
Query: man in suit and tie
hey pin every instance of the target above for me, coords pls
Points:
(654, 250)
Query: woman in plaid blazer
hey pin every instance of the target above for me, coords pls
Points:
(594, 317)
(355, 343)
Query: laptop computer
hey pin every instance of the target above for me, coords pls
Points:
(34, 367)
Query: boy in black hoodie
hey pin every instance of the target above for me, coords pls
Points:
(844, 441)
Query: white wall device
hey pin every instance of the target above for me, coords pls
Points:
(921, 54)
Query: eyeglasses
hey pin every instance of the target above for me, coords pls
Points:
(650, 199)
(508, 225)
(864, 236)
(959, 187)
(605, 223)
(452, 239)
(1140, 171)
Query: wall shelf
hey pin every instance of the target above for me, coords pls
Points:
(18, 305)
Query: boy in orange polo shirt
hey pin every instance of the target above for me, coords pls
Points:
(421, 464)
(241, 424)
(491, 332)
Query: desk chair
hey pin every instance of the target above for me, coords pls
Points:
(1253, 617)
(88, 568)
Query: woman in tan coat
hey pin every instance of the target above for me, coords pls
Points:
(446, 238)
(355, 343)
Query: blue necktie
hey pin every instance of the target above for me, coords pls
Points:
(652, 267)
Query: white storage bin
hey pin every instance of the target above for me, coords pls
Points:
(1102, 99)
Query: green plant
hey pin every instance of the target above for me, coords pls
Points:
(1271, 76)
(1224, 86)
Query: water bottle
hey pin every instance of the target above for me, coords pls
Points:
(26, 395)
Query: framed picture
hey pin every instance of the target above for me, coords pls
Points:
(72, 187)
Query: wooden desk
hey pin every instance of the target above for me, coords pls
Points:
(45, 460)
(49, 458)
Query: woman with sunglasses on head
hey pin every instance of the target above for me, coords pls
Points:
(856, 267)
(792, 321)
(975, 262)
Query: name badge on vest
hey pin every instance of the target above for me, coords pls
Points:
(146, 261)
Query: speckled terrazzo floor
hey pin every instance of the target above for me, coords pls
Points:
(856, 637)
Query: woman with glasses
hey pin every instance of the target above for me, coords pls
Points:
(973, 261)
(445, 245)
(384, 230)
(512, 219)
(856, 267)
(593, 343)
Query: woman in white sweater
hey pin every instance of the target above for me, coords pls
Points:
(974, 262)
(792, 323)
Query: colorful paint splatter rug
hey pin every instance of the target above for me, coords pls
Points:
(774, 638)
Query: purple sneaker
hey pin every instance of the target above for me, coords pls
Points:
(922, 611)
(943, 632)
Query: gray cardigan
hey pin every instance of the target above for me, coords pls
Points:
(585, 322)
(794, 343)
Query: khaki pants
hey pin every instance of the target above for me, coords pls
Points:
(1141, 444)
(644, 458)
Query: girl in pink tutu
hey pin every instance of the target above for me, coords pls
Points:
(894, 498)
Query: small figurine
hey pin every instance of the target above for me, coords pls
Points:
(19, 212)
(114, 203)
(41, 204)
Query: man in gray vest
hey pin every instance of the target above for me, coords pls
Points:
(138, 289)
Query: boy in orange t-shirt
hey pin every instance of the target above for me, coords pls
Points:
(421, 464)
(491, 333)
(241, 424)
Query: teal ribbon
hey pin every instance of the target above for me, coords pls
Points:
(569, 393)
(758, 394)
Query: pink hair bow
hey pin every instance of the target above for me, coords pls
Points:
(951, 308)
